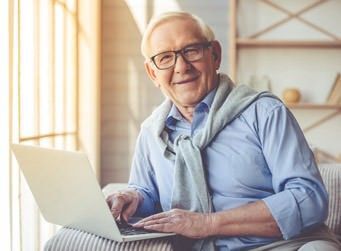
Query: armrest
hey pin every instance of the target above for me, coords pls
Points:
(331, 175)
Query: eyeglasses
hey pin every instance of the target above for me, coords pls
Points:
(190, 53)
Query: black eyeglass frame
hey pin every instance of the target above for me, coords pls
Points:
(204, 45)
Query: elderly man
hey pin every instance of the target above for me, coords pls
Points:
(222, 165)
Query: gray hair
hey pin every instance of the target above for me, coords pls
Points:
(166, 16)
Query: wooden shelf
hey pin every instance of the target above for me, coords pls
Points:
(268, 36)
(246, 42)
(313, 106)
(255, 38)
(336, 111)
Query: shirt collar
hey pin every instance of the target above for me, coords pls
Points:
(208, 100)
(174, 115)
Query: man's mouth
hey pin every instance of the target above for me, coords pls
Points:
(186, 80)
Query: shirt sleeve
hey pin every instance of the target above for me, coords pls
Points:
(300, 201)
(143, 180)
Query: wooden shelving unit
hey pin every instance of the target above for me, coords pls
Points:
(254, 41)
(262, 40)
(247, 42)
(335, 111)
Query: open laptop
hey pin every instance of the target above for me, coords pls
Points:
(68, 194)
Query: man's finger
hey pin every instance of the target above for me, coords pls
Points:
(161, 219)
(158, 221)
(166, 228)
(109, 200)
(155, 217)
(117, 205)
(129, 210)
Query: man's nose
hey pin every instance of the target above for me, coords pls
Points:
(181, 64)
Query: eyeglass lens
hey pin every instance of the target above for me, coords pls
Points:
(190, 53)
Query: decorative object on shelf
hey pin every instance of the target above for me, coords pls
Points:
(291, 96)
(334, 97)
(258, 83)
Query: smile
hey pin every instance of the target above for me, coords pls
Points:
(186, 80)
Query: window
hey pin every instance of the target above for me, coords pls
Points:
(42, 101)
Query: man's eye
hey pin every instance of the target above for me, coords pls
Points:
(191, 51)
(162, 59)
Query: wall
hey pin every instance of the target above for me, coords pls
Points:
(311, 70)
(127, 95)
(88, 95)
(48, 69)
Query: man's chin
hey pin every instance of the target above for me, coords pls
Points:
(188, 101)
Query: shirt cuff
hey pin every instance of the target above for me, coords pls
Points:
(284, 209)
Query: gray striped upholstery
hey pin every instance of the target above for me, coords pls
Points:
(73, 240)
(331, 175)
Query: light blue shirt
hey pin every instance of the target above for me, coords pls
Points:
(260, 155)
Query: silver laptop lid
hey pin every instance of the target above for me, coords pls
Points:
(66, 189)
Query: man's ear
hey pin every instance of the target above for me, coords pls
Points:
(151, 72)
(216, 53)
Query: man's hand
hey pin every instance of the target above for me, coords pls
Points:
(124, 203)
(186, 223)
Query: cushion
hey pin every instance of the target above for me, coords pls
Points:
(67, 239)
(331, 175)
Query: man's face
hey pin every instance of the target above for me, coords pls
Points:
(186, 83)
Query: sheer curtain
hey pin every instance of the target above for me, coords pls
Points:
(42, 100)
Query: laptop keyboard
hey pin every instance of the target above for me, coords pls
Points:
(127, 229)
